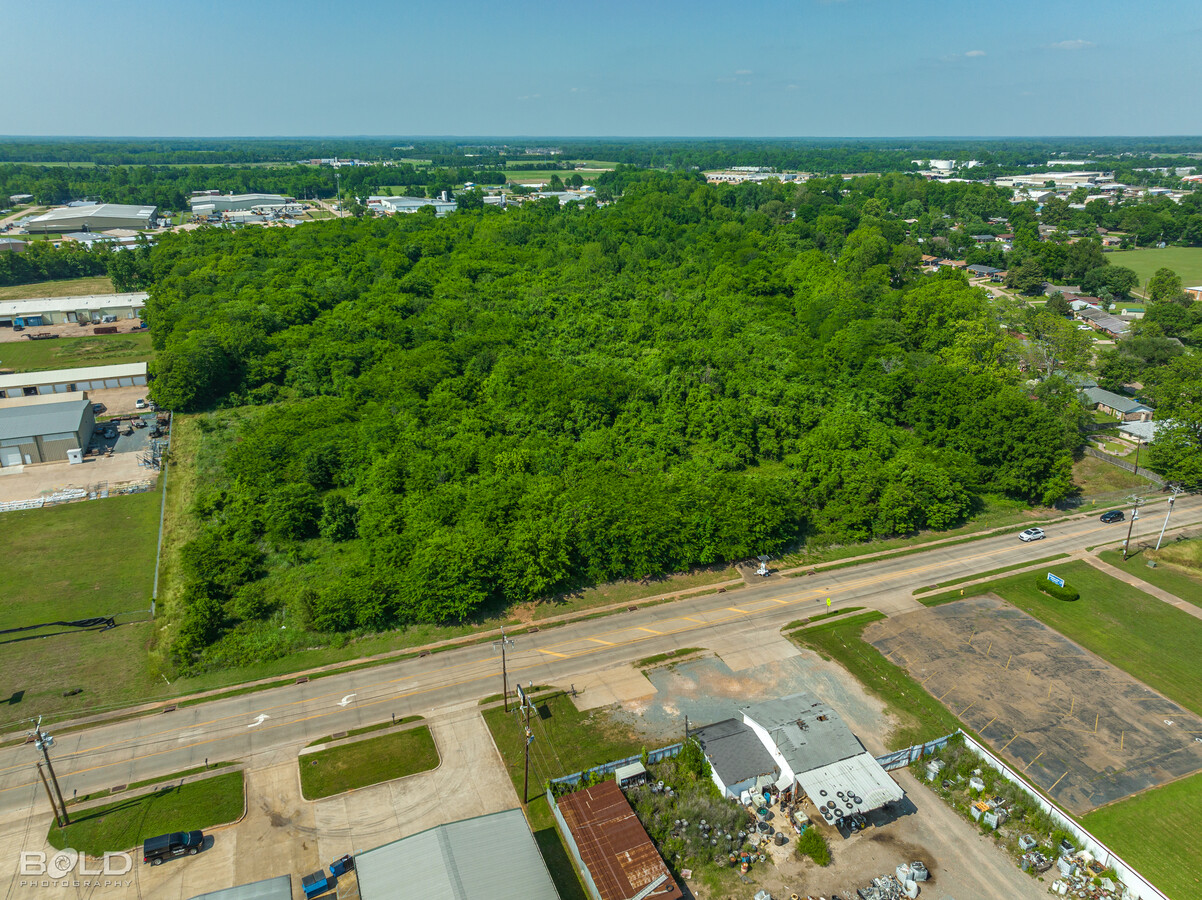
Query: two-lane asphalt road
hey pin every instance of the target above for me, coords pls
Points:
(274, 724)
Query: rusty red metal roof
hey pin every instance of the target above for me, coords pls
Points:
(613, 844)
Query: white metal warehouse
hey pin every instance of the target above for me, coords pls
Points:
(219, 203)
(97, 217)
(68, 310)
(67, 381)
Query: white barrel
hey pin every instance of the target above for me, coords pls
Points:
(910, 886)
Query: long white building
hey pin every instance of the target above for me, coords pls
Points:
(97, 217)
(67, 310)
(206, 204)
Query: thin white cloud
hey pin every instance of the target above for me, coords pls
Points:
(742, 71)
(1076, 44)
(975, 53)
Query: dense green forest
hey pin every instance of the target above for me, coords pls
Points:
(421, 418)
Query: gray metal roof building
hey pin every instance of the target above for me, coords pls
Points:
(491, 857)
(67, 381)
(278, 888)
(65, 310)
(93, 218)
(737, 756)
(219, 203)
(44, 429)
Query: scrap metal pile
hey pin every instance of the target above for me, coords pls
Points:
(1078, 873)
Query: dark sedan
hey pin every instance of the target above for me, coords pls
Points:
(1115, 515)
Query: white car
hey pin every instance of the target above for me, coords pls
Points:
(139, 404)
(1032, 534)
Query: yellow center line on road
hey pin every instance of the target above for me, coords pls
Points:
(650, 630)
(599, 641)
(553, 653)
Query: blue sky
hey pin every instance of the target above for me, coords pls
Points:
(657, 67)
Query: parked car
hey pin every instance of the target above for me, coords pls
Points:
(97, 408)
(1032, 534)
(168, 846)
(1115, 515)
(139, 403)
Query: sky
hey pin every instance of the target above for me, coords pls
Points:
(775, 68)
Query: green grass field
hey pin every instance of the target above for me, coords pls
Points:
(341, 769)
(124, 824)
(92, 558)
(1128, 827)
(1179, 580)
(1185, 261)
(565, 741)
(68, 287)
(1095, 476)
(73, 352)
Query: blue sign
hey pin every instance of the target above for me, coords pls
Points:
(1055, 580)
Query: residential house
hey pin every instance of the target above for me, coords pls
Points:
(1125, 409)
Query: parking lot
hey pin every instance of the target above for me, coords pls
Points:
(1084, 731)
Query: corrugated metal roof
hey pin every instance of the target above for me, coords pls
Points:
(278, 888)
(613, 844)
(808, 733)
(490, 857)
(860, 777)
(735, 751)
(100, 210)
(68, 376)
(90, 302)
(23, 417)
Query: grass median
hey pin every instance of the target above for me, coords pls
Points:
(1177, 577)
(124, 824)
(363, 763)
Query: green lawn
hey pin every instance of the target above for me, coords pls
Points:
(68, 287)
(357, 765)
(92, 558)
(1173, 811)
(124, 824)
(1185, 261)
(74, 352)
(1095, 476)
(1178, 581)
(1147, 638)
(919, 716)
(566, 741)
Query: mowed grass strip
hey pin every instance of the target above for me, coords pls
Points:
(998, 571)
(1130, 827)
(79, 560)
(76, 352)
(124, 824)
(919, 716)
(1149, 639)
(341, 769)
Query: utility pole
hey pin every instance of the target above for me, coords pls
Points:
(58, 819)
(1138, 446)
(1131, 524)
(1176, 491)
(43, 742)
(503, 643)
(526, 770)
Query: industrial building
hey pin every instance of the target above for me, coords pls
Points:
(491, 857)
(811, 752)
(89, 309)
(612, 849)
(411, 204)
(278, 888)
(69, 381)
(215, 204)
(96, 217)
(45, 429)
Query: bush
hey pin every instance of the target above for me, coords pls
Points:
(1068, 592)
(812, 844)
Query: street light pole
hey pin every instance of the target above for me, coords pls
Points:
(58, 819)
(503, 643)
(1176, 491)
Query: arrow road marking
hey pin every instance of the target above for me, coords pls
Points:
(345, 701)
(262, 717)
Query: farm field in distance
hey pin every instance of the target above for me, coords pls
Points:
(80, 560)
(1185, 261)
(66, 287)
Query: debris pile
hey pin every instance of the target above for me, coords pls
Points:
(1084, 877)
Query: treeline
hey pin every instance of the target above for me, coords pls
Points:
(40, 261)
(169, 187)
(417, 419)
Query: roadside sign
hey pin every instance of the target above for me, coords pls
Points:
(1055, 579)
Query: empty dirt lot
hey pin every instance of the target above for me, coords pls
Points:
(1084, 731)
